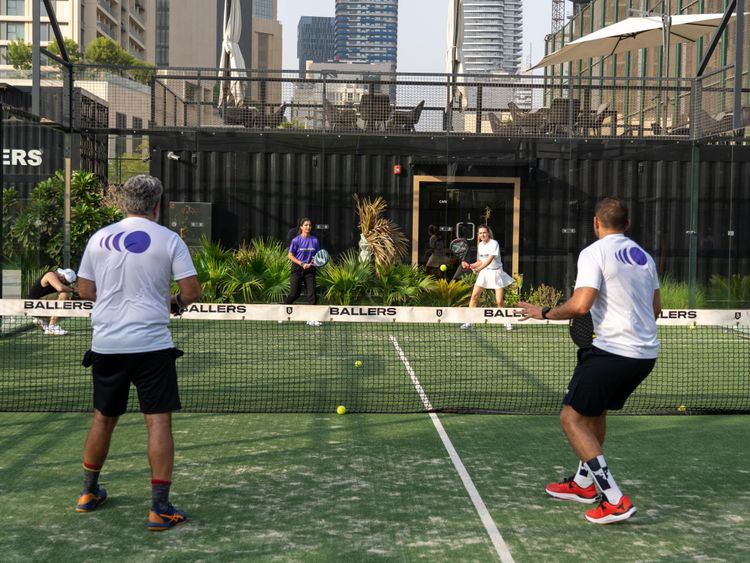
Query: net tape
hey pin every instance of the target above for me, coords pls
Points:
(266, 358)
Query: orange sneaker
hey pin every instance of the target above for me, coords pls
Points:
(159, 521)
(607, 513)
(91, 500)
(570, 490)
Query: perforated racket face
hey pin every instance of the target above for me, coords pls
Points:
(459, 247)
(321, 258)
(582, 331)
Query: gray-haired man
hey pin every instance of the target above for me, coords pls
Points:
(127, 269)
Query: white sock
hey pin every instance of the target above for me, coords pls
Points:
(604, 479)
(583, 476)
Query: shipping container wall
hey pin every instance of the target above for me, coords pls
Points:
(260, 185)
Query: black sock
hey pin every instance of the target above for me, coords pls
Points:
(90, 477)
(160, 495)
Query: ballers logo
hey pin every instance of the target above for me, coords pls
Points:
(135, 242)
(632, 256)
(439, 312)
(289, 310)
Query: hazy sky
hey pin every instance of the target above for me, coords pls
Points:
(421, 30)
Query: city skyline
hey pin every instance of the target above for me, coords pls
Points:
(418, 50)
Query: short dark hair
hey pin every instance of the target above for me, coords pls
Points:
(141, 194)
(612, 213)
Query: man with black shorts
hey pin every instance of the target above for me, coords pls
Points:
(618, 283)
(127, 269)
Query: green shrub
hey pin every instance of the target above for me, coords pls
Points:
(674, 294)
(347, 280)
(731, 293)
(400, 284)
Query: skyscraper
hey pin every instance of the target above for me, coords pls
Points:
(492, 36)
(366, 31)
(315, 41)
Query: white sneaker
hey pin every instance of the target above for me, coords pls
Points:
(55, 329)
(314, 323)
(467, 326)
(508, 326)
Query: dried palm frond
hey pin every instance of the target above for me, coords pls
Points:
(387, 243)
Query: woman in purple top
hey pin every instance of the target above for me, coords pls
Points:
(301, 251)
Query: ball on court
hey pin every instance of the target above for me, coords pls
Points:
(682, 408)
(691, 327)
(358, 364)
(443, 267)
(341, 409)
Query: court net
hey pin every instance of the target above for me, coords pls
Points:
(267, 358)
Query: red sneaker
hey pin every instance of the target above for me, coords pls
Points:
(607, 513)
(570, 490)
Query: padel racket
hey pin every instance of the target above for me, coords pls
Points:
(582, 331)
(321, 258)
(459, 247)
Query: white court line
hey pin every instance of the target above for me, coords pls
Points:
(489, 524)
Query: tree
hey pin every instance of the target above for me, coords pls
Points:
(74, 52)
(104, 51)
(19, 54)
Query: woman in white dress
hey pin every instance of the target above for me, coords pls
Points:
(489, 270)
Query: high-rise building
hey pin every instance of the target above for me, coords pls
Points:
(164, 32)
(315, 41)
(366, 31)
(492, 36)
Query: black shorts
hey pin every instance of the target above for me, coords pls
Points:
(153, 374)
(604, 381)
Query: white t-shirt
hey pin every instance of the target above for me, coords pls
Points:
(623, 312)
(491, 248)
(132, 263)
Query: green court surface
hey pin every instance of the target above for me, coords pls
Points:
(322, 487)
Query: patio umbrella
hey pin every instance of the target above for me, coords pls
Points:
(634, 33)
(454, 55)
(231, 56)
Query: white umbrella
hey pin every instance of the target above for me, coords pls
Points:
(454, 63)
(231, 56)
(634, 33)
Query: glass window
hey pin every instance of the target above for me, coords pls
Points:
(264, 9)
(13, 8)
(11, 31)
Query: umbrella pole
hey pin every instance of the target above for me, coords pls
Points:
(667, 22)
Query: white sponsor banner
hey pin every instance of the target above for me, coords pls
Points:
(363, 313)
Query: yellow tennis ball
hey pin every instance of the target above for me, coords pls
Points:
(682, 408)
(341, 409)
(691, 327)
(358, 364)
(443, 267)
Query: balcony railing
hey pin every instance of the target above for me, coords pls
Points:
(509, 106)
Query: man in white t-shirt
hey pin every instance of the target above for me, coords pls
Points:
(127, 269)
(617, 281)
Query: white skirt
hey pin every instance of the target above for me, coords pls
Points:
(493, 279)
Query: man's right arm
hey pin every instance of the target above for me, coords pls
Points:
(86, 289)
(657, 304)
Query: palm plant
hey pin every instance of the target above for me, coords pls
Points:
(265, 262)
(386, 241)
(445, 293)
(212, 262)
(401, 284)
(346, 281)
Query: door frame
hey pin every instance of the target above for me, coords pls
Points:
(417, 182)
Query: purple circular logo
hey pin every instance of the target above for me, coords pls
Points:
(137, 242)
(638, 256)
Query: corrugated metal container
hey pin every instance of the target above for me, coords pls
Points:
(260, 184)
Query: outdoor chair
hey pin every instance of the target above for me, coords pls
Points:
(242, 115)
(592, 120)
(405, 120)
(563, 113)
(500, 128)
(375, 110)
(274, 119)
(340, 119)
(529, 122)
